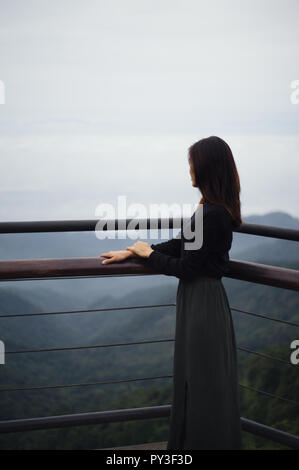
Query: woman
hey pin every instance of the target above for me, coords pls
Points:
(205, 411)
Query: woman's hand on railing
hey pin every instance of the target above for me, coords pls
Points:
(116, 256)
(142, 249)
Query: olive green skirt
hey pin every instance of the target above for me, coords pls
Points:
(205, 412)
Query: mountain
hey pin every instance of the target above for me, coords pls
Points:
(256, 248)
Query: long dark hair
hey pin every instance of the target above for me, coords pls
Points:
(216, 175)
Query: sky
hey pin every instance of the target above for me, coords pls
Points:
(103, 99)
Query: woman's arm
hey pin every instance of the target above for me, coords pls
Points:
(190, 264)
(171, 247)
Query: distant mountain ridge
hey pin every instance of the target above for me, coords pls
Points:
(244, 245)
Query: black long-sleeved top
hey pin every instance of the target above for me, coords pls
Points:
(171, 257)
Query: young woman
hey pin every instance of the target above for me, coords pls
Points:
(205, 412)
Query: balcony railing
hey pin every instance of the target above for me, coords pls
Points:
(91, 267)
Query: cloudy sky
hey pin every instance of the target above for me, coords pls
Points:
(103, 98)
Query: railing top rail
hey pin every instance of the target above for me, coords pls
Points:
(112, 416)
(79, 267)
(126, 224)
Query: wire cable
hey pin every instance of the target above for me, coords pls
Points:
(266, 356)
(271, 395)
(265, 317)
(84, 311)
(47, 387)
(87, 347)
(137, 307)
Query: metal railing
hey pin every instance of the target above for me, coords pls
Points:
(92, 267)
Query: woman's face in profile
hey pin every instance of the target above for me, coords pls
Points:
(192, 174)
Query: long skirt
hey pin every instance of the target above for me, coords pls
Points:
(205, 412)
